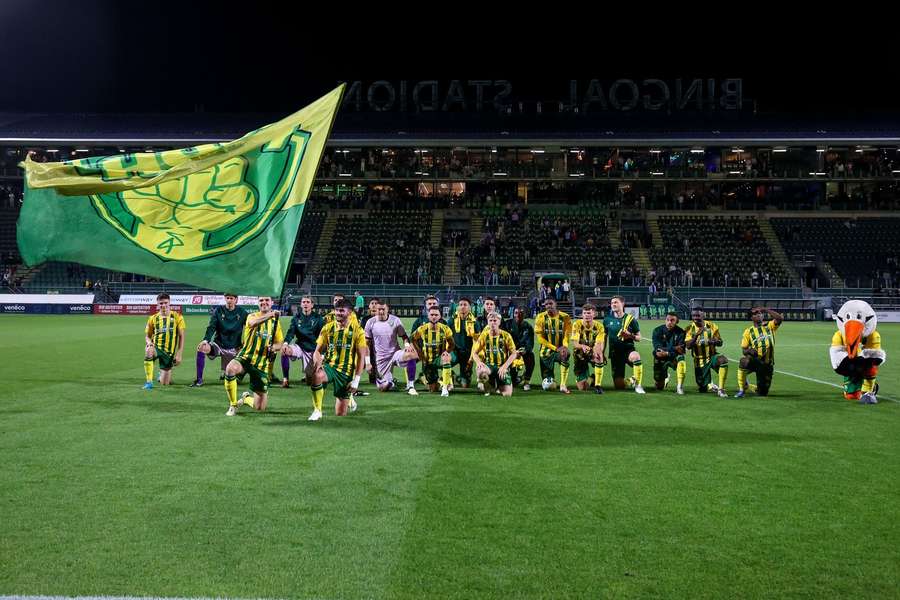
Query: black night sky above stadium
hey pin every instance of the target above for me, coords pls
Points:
(97, 57)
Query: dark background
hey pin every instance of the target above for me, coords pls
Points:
(67, 57)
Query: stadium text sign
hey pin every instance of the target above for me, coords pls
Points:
(476, 95)
(195, 299)
(129, 309)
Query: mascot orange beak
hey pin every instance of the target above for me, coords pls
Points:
(853, 337)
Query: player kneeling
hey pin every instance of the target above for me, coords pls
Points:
(263, 337)
(588, 337)
(339, 359)
(493, 354)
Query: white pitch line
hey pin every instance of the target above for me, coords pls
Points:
(105, 598)
(828, 383)
(805, 378)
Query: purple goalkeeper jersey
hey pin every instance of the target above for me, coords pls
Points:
(385, 334)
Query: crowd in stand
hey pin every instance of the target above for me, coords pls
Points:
(11, 194)
(574, 235)
(594, 162)
(604, 163)
(9, 277)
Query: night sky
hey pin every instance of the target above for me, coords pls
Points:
(95, 57)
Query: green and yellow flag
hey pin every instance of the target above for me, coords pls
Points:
(221, 216)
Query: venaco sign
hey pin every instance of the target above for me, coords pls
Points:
(14, 308)
(46, 304)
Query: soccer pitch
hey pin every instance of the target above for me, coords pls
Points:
(107, 489)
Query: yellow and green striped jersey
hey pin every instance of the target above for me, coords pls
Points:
(587, 336)
(870, 342)
(761, 339)
(257, 341)
(434, 340)
(702, 354)
(165, 330)
(552, 331)
(494, 349)
(342, 345)
(329, 318)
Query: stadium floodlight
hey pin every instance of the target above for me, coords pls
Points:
(537, 151)
(697, 150)
(738, 150)
(821, 149)
(656, 173)
(817, 173)
(734, 172)
(499, 174)
(895, 171)
(345, 174)
(655, 150)
(780, 149)
(81, 150)
(52, 150)
(576, 174)
(575, 151)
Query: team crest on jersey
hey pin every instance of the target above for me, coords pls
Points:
(204, 214)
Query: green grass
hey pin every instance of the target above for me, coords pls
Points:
(108, 489)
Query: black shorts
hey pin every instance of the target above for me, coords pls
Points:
(763, 372)
(618, 358)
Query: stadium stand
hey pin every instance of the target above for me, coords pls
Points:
(713, 248)
(858, 248)
(392, 245)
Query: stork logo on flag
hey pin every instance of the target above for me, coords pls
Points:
(206, 213)
(224, 216)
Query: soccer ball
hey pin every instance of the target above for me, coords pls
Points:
(546, 384)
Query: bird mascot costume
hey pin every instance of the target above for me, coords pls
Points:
(856, 351)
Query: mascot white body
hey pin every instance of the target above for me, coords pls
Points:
(856, 351)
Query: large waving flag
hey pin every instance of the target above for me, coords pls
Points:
(222, 216)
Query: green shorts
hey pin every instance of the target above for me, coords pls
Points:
(259, 380)
(432, 370)
(495, 378)
(661, 367)
(339, 381)
(703, 374)
(584, 367)
(166, 360)
(548, 363)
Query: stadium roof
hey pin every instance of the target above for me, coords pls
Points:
(464, 129)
